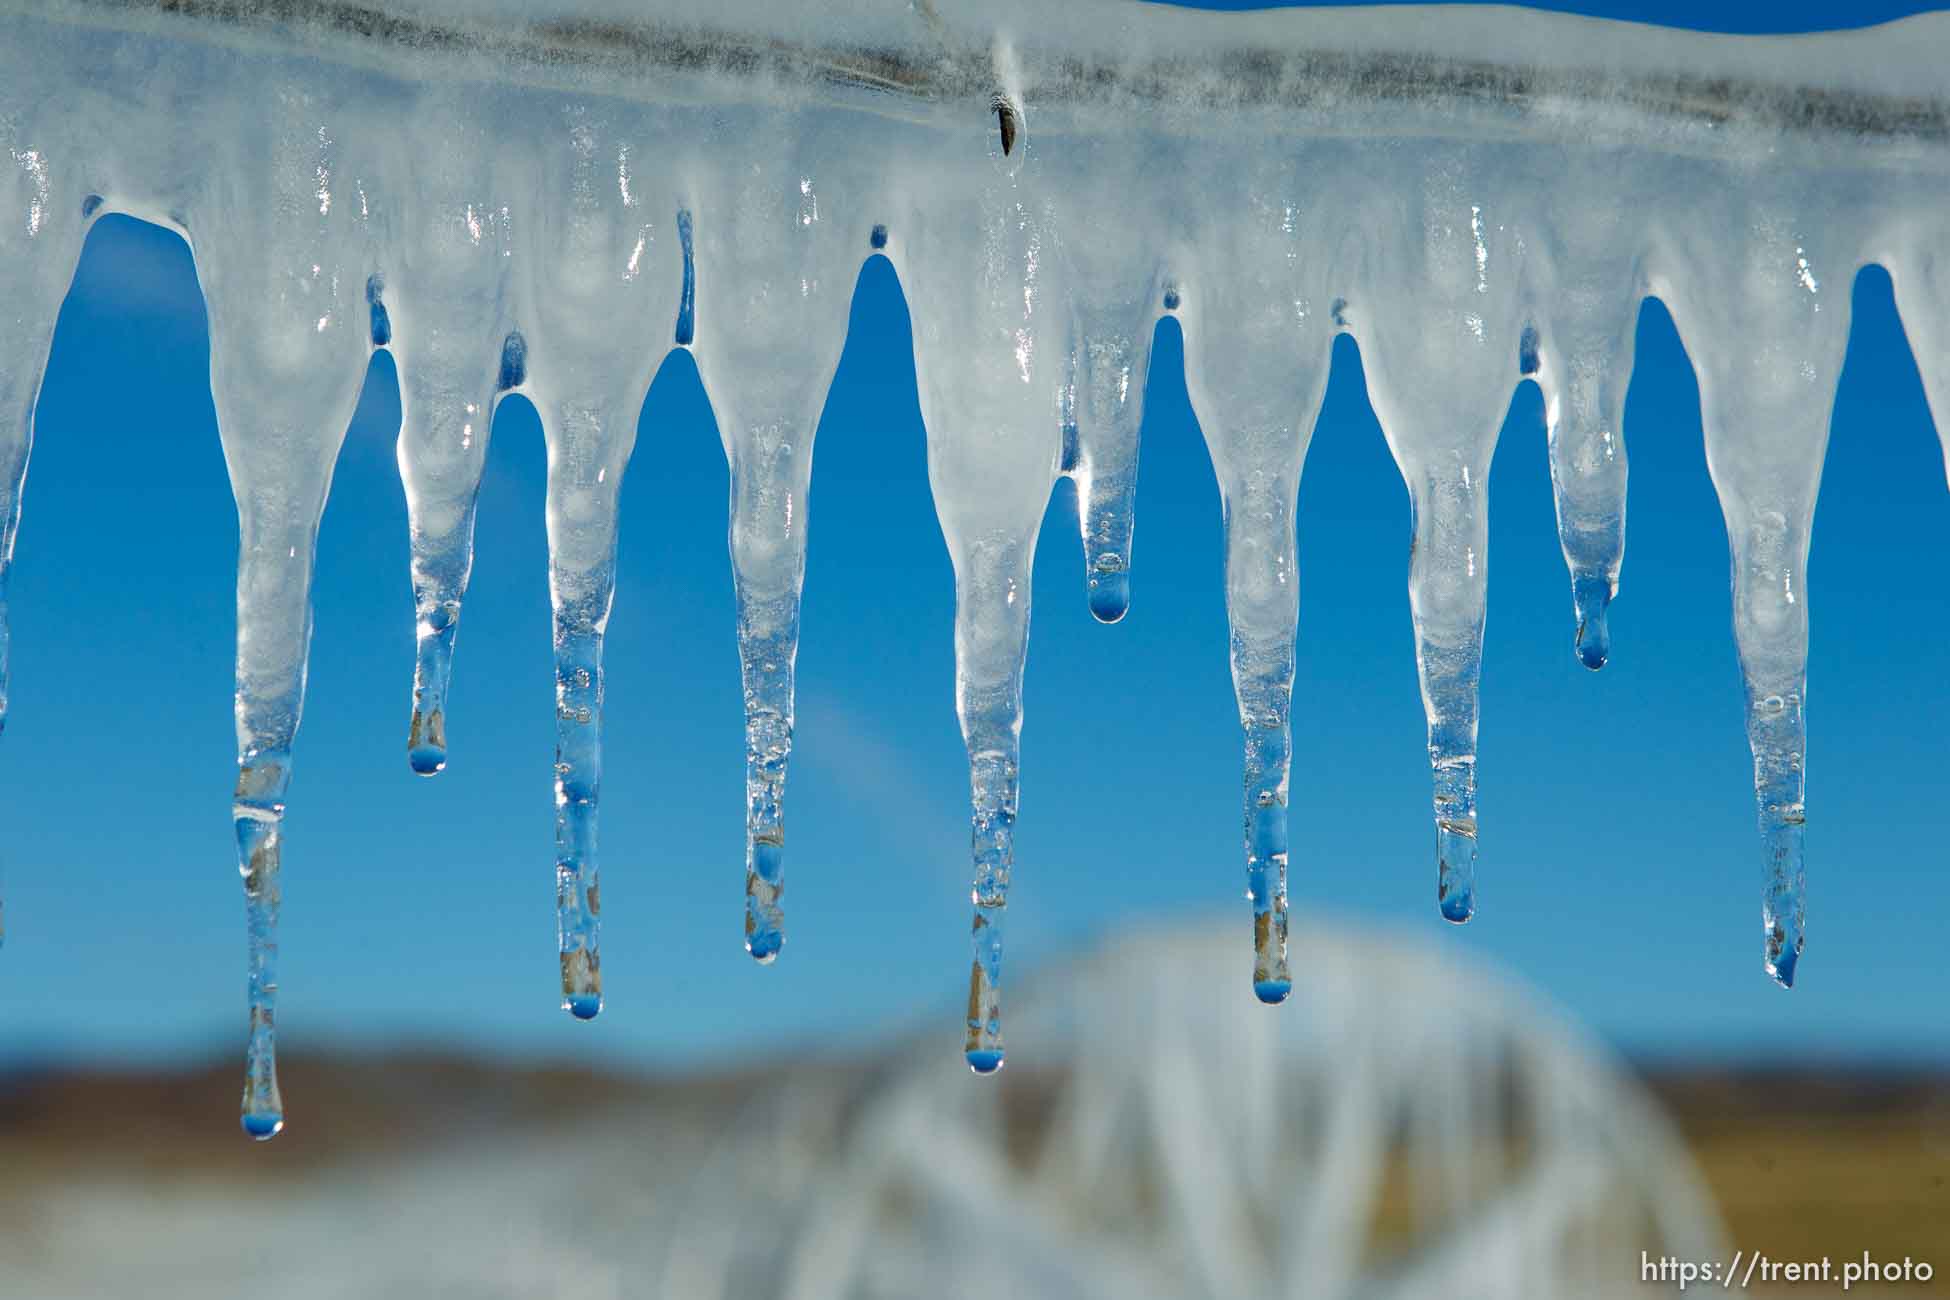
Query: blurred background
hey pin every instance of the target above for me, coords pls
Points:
(1594, 1068)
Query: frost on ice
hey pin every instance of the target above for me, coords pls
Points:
(547, 199)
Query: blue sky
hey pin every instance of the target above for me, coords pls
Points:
(1620, 867)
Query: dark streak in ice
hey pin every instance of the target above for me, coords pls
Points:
(382, 324)
(514, 362)
(686, 306)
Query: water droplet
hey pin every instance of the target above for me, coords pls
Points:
(1272, 992)
(263, 1126)
(1110, 596)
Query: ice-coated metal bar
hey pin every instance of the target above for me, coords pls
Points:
(1882, 84)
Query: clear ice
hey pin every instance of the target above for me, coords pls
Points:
(547, 198)
(771, 252)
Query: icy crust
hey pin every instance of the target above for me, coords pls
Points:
(550, 203)
(1098, 52)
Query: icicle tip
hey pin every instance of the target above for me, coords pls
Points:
(764, 884)
(985, 1061)
(1110, 594)
(582, 985)
(983, 1048)
(262, 1126)
(1781, 956)
(1455, 890)
(1591, 597)
(426, 742)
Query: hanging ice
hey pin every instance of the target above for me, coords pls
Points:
(1767, 343)
(37, 257)
(597, 337)
(984, 283)
(1440, 369)
(1584, 303)
(288, 340)
(1259, 330)
(445, 322)
(546, 201)
(1116, 263)
(779, 252)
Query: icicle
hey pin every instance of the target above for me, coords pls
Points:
(41, 228)
(770, 320)
(581, 600)
(288, 338)
(1437, 342)
(1418, 142)
(1582, 357)
(987, 363)
(1258, 345)
(588, 446)
(40, 241)
(1109, 355)
(605, 281)
(1110, 251)
(991, 645)
(263, 777)
(1761, 297)
(449, 323)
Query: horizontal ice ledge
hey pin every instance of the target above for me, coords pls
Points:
(1112, 55)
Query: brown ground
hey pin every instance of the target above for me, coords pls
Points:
(1822, 1163)
(169, 1125)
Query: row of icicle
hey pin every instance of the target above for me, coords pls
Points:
(982, 326)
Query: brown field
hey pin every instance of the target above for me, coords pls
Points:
(1824, 1163)
(1821, 1164)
